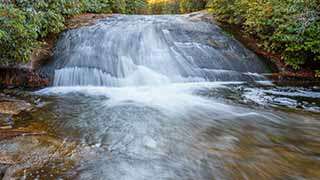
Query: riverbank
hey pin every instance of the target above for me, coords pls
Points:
(284, 73)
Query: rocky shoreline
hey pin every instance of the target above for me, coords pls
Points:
(28, 146)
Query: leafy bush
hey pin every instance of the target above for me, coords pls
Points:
(187, 6)
(23, 23)
(288, 27)
(176, 6)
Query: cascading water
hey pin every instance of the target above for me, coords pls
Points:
(166, 97)
(150, 50)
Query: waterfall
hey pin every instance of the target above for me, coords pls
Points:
(165, 97)
(150, 50)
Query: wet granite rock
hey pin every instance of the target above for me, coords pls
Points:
(21, 77)
(13, 106)
(12, 133)
(25, 155)
(217, 44)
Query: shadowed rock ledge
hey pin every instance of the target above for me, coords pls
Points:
(21, 77)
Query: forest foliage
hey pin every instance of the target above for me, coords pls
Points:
(290, 28)
(287, 27)
(176, 6)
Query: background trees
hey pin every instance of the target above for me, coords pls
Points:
(176, 6)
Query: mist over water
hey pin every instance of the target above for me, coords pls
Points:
(164, 97)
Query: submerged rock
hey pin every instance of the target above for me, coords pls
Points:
(28, 150)
(33, 153)
(11, 133)
(13, 106)
(217, 44)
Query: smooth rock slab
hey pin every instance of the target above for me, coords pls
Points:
(13, 106)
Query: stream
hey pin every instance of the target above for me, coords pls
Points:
(164, 97)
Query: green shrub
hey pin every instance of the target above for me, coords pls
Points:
(288, 27)
(176, 6)
(96, 6)
(187, 6)
(19, 35)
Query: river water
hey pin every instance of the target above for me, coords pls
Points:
(167, 97)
